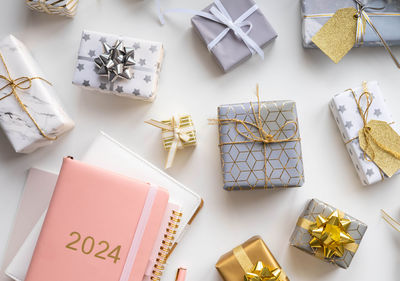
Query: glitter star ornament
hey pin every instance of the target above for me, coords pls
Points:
(116, 61)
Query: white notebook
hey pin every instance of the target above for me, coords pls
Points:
(107, 153)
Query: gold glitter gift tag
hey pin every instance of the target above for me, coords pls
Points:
(338, 36)
(382, 144)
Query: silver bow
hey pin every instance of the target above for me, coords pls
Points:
(116, 61)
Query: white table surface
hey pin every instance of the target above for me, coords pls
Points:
(192, 83)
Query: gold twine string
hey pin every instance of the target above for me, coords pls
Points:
(391, 221)
(264, 137)
(42, 4)
(21, 83)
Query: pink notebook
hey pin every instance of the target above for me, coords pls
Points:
(100, 226)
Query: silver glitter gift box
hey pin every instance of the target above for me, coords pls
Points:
(348, 118)
(301, 237)
(232, 51)
(315, 13)
(147, 57)
(253, 164)
(33, 101)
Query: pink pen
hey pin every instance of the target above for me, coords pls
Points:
(181, 274)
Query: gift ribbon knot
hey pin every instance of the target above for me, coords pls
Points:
(21, 83)
(180, 136)
(262, 136)
(219, 14)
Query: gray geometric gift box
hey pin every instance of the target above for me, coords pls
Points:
(260, 145)
(230, 49)
(132, 72)
(315, 13)
(349, 121)
(319, 217)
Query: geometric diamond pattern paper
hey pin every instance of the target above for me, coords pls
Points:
(301, 237)
(255, 165)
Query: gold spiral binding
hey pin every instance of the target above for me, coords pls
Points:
(167, 244)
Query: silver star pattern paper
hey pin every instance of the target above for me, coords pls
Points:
(349, 121)
(40, 100)
(145, 73)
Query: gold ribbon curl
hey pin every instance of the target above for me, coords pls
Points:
(21, 83)
(263, 137)
(329, 235)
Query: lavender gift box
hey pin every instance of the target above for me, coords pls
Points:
(388, 25)
(232, 51)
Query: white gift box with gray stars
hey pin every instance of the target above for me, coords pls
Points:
(349, 121)
(148, 57)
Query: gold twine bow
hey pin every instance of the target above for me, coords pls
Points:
(262, 137)
(42, 4)
(377, 138)
(260, 272)
(21, 83)
(180, 136)
(329, 235)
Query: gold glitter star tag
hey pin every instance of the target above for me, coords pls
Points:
(338, 36)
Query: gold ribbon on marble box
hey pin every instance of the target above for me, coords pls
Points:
(250, 261)
(178, 132)
(54, 7)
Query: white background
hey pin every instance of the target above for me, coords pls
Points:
(192, 83)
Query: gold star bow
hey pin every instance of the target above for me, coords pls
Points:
(262, 273)
(329, 234)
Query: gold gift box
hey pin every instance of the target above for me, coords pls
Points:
(63, 7)
(186, 125)
(256, 250)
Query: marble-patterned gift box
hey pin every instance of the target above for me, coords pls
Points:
(248, 164)
(314, 16)
(301, 237)
(55, 7)
(39, 100)
(148, 56)
(348, 118)
(232, 51)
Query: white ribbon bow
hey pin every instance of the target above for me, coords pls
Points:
(180, 136)
(219, 14)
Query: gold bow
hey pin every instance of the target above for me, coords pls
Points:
(21, 83)
(377, 138)
(260, 272)
(262, 137)
(180, 136)
(329, 234)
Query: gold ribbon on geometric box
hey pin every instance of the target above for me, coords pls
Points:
(177, 133)
(261, 136)
(21, 83)
(329, 235)
(377, 138)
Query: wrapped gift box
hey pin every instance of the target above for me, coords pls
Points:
(388, 25)
(301, 236)
(185, 125)
(54, 7)
(39, 99)
(233, 265)
(248, 164)
(349, 121)
(232, 51)
(148, 56)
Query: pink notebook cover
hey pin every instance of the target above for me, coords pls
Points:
(100, 226)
